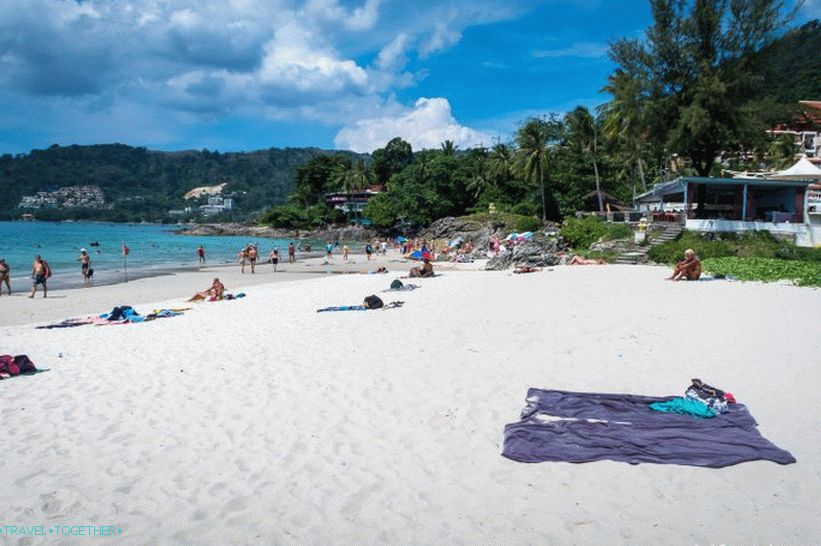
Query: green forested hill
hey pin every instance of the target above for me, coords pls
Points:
(143, 184)
(792, 65)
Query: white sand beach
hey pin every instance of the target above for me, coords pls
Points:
(262, 421)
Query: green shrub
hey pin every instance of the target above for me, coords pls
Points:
(802, 273)
(618, 231)
(758, 244)
(583, 232)
(527, 223)
(704, 247)
(524, 209)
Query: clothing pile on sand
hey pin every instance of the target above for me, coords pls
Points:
(12, 366)
(124, 314)
(371, 303)
(581, 427)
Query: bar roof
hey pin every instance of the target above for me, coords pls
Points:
(678, 185)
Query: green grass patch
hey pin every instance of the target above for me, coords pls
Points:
(759, 244)
(800, 272)
(583, 232)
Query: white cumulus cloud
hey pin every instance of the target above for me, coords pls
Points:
(429, 123)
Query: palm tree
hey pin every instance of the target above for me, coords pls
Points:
(448, 147)
(624, 118)
(356, 178)
(535, 140)
(584, 134)
(481, 176)
(501, 161)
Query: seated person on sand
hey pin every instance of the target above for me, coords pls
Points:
(578, 260)
(216, 291)
(689, 268)
(425, 271)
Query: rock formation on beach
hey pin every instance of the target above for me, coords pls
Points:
(345, 233)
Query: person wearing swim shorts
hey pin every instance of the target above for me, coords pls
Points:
(85, 265)
(40, 273)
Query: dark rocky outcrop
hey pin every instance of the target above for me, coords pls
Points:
(541, 251)
(479, 232)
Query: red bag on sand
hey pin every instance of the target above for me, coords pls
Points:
(8, 368)
(11, 366)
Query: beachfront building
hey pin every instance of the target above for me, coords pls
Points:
(777, 205)
(216, 205)
(351, 203)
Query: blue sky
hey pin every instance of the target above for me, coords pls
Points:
(237, 75)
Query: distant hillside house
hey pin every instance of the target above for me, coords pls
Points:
(68, 197)
(350, 202)
(216, 205)
(805, 129)
(205, 190)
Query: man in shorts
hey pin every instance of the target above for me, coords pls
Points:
(291, 253)
(252, 257)
(40, 272)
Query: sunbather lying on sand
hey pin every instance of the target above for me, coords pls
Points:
(578, 260)
(689, 268)
(425, 271)
(216, 291)
(526, 269)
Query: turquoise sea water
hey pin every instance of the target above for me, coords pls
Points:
(153, 249)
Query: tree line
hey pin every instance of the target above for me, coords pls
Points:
(694, 95)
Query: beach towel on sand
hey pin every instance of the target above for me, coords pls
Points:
(579, 427)
(391, 305)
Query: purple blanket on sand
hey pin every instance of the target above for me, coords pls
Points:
(580, 427)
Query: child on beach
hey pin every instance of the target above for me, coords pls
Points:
(201, 254)
(345, 251)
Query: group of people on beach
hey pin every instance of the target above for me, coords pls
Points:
(250, 253)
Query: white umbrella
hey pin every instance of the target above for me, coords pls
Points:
(803, 170)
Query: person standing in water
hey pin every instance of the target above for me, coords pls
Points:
(40, 272)
(5, 276)
(85, 265)
(291, 253)
(201, 254)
